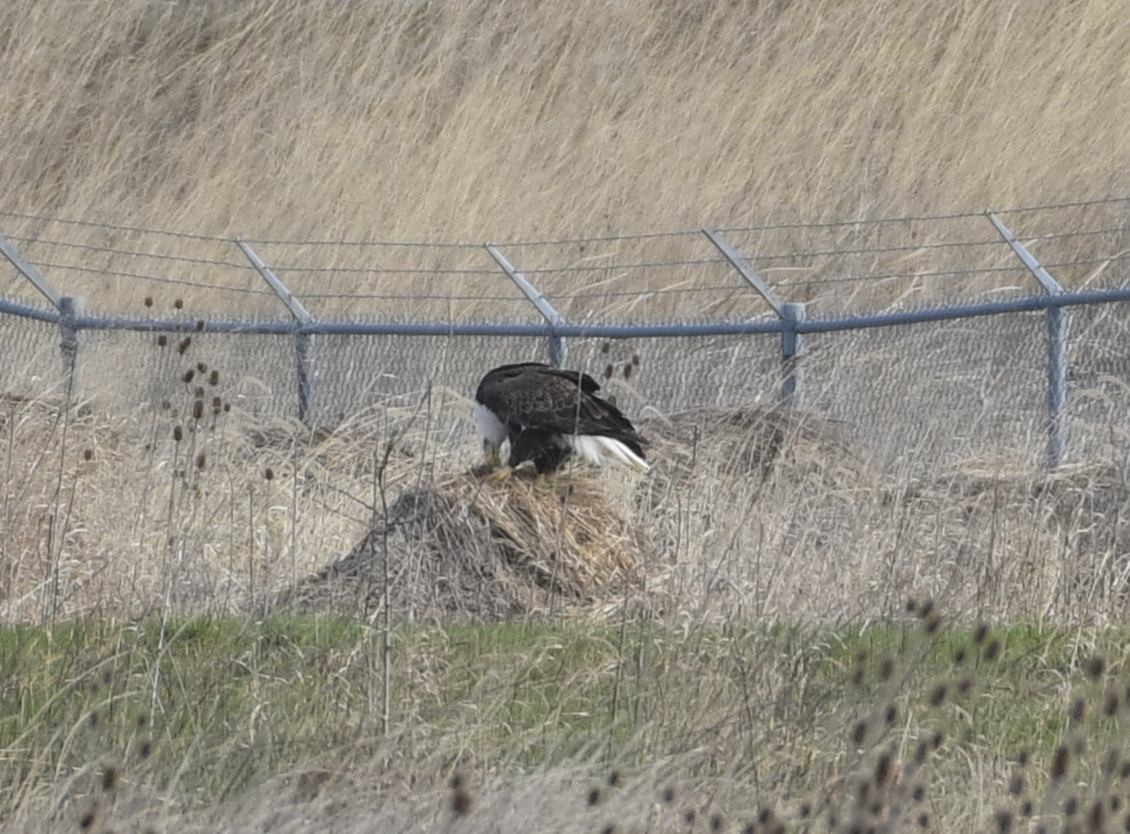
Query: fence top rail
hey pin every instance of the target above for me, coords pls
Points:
(1030, 303)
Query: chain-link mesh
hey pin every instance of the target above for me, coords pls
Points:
(935, 393)
(1098, 402)
(32, 362)
(254, 373)
(910, 396)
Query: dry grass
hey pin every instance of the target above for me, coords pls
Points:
(473, 121)
(465, 547)
(747, 511)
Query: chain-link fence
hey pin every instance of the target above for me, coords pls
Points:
(931, 339)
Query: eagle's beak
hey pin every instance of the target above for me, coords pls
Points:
(492, 454)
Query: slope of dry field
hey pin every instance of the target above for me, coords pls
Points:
(478, 120)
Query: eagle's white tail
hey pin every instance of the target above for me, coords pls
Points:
(599, 450)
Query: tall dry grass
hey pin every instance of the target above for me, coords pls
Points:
(477, 120)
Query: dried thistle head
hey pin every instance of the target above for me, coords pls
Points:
(109, 778)
(1077, 710)
(1061, 761)
(178, 304)
(1094, 667)
(162, 340)
(938, 694)
(886, 668)
(148, 301)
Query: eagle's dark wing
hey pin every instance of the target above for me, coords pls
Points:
(587, 383)
(540, 397)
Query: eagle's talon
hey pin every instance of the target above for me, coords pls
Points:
(500, 474)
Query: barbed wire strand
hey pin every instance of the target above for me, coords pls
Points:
(117, 227)
(568, 241)
(132, 253)
(413, 297)
(180, 282)
(377, 270)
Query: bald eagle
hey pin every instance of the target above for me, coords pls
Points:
(548, 415)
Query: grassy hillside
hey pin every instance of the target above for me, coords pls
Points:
(127, 725)
(480, 120)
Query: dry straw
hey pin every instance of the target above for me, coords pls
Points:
(474, 547)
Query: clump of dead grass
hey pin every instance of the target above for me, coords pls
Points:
(751, 442)
(469, 546)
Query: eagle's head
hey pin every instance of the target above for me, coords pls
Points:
(492, 433)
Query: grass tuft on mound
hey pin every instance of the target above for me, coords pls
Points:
(469, 546)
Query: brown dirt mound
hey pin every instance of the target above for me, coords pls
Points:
(485, 550)
(751, 444)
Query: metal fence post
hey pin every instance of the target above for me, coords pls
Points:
(792, 342)
(302, 345)
(557, 348)
(70, 308)
(792, 351)
(1057, 326)
(1057, 322)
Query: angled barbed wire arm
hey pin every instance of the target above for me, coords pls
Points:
(33, 275)
(1057, 321)
(792, 340)
(302, 346)
(558, 350)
